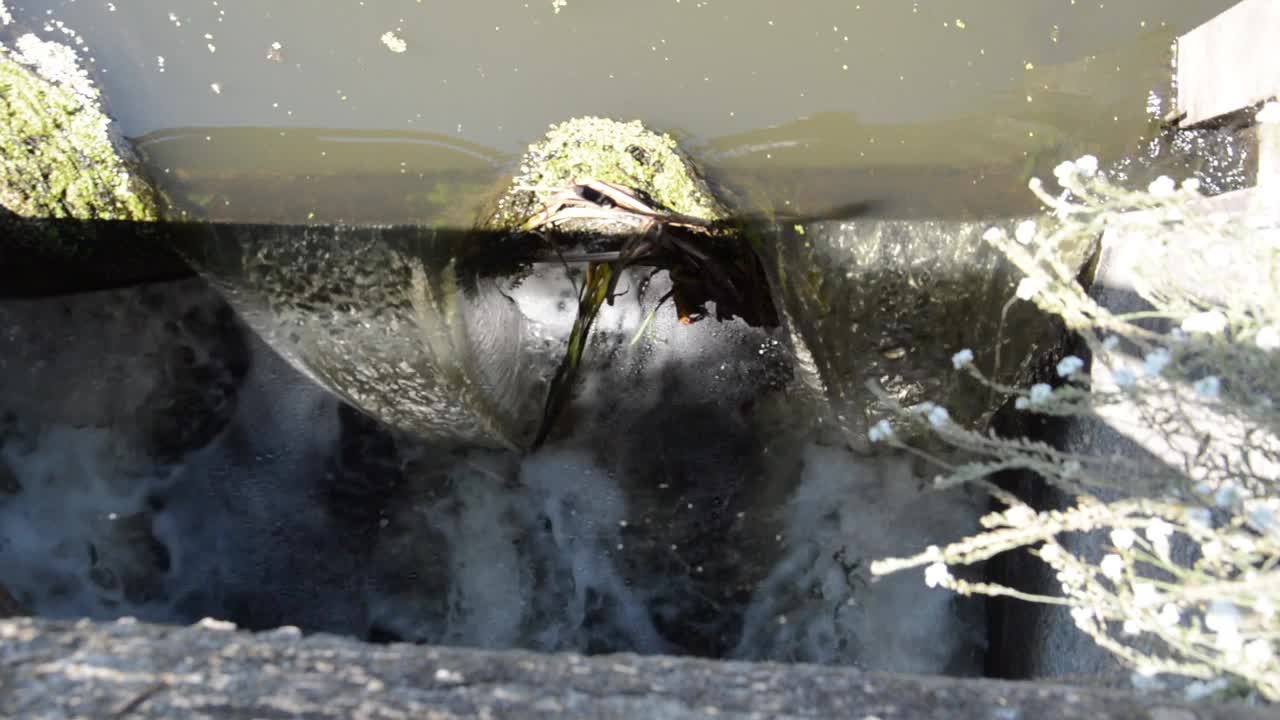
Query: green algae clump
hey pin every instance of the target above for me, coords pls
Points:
(59, 158)
(627, 154)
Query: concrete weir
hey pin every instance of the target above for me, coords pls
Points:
(134, 669)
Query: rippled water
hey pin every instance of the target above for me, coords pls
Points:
(929, 107)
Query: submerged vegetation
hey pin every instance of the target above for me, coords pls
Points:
(1187, 581)
(616, 196)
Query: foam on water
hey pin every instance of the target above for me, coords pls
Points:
(676, 519)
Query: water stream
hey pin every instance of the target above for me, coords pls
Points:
(292, 440)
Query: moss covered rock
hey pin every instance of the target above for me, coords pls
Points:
(627, 154)
(60, 160)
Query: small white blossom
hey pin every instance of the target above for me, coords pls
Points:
(880, 431)
(1264, 608)
(1222, 617)
(938, 416)
(962, 359)
(1111, 342)
(1212, 550)
(1025, 232)
(1065, 171)
(1162, 186)
(1262, 515)
(1123, 538)
(1050, 553)
(1210, 322)
(1069, 365)
(1082, 615)
(1258, 653)
(1158, 530)
(1112, 566)
(1208, 387)
(1131, 628)
(1021, 403)
(1145, 595)
(1087, 165)
(1268, 338)
(1169, 615)
(937, 575)
(1200, 518)
(993, 234)
(1191, 185)
(1124, 377)
(1226, 496)
(1029, 287)
(1039, 393)
(1019, 516)
(1155, 361)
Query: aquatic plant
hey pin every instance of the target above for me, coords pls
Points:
(1184, 578)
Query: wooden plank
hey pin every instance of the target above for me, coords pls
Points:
(1229, 63)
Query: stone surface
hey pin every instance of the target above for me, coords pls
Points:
(62, 670)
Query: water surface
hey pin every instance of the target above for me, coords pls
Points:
(281, 112)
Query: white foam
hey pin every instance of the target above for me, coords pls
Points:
(818, 605)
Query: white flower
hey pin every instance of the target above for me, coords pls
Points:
(937, 575)
(1269, 113)
(1191, 185)
(1162, 186)
(1169, 615)
(1262, 515)
(1087, 165)
(1025, 232)
(1050, 553)
(1082, 616)
(938, 416)
(880, 431)
(1019, 516)
(1158, 530)
(1029, 287)
(1210, 322)
(1207, 387)
(1226, 495)
(1131, 628)
(1124, 377)
(1145, 595)
(1112, 566)
(1111, 342)
(1065, 171)
(1211, 550)
(1021, 403)
(1069, 365)
(1258, 653)
(993, 234)
(1200, 518)
(1268, 338)
(1039, 393)
(1123, 538)
(1222, 617)
(1264, 608)
(962, 358)
(1155, 361)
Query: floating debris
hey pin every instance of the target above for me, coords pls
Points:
(394, 43)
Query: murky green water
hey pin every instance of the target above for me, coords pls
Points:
(280, 111)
